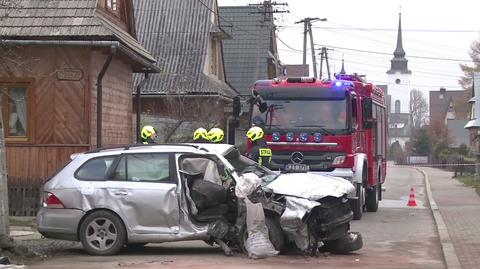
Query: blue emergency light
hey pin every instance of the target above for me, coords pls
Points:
(276, 136)
(290, 136)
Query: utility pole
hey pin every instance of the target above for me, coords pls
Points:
(307, 27)
(324, 56)
(4, 222)
(267, 9)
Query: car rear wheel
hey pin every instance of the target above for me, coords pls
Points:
(102, 233)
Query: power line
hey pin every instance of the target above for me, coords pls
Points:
(415, 85)
(386, 67)
(292, 49)
(381, 62)
(410, 56)
(443, 46)
(386, 29)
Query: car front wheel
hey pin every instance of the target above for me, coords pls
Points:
(102, 233)
(357, 204)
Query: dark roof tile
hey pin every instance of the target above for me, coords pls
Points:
(177, 33)
(67, 18)
(249, 41)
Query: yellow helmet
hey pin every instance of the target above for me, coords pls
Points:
(147, 131)
(215, 135)
(200, 133)
(255, 133)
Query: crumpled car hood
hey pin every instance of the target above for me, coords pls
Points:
(310, 186)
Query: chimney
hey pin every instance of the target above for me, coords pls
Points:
(442, 92)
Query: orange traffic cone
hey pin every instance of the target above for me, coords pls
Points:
(411, 200)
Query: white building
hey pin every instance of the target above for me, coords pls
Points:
(399, 91)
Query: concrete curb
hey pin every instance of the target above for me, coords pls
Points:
(449, 254)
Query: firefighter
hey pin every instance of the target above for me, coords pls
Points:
(200, 136)
(259, 151)
(148, 135)
(215, 135)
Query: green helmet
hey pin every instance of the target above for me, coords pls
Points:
(147, 131)
(215, 135)
(255, 133)
(200, 133)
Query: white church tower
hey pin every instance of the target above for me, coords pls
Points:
(399, 122)
(399, 77)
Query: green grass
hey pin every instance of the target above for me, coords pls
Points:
(22, 221)
(470, 181)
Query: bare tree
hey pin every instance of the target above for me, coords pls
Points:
(176, 117)
(418, 109)
(467, 79)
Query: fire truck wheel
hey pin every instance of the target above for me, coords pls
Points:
(357, 204)
(372, 199)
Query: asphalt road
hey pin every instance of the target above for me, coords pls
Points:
(396, 236)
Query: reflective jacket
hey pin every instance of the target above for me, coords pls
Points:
(201, 140)
(261, 153)
(148, 141)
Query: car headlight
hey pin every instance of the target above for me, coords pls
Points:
(303, 137)
(317, 137)
(276, 136)
(290, 136)
(338, 160)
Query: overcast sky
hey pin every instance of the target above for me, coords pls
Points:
(432, 29)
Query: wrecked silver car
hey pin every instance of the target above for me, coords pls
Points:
(130, 196)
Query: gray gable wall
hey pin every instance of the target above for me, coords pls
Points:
(246, 54)
(177, 32)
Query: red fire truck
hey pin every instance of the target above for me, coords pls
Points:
(336, 127)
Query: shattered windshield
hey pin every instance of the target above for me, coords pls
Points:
(244, 165)
(327, 116)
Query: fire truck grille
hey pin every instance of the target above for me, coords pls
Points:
(316, 160)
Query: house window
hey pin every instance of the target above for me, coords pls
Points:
(397, 106)
(112, 5)
(16, 100)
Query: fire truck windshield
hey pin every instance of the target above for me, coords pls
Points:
(327, 115)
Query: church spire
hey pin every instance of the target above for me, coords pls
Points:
(399, 52)
(399, 63)
(343, 68)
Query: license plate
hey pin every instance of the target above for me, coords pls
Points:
(296, 167)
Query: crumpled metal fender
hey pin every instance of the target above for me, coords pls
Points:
(358, 167)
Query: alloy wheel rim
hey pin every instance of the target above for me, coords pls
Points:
(101, 234)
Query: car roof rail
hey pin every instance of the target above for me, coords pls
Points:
(129, 146)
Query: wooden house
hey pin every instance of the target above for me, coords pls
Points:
(59, 59)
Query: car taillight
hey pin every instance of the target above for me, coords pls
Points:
(51, 201)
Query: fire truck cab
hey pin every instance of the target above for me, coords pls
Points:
(336, 127)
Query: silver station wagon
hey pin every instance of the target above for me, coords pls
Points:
(113, 198)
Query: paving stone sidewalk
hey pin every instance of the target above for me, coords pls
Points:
(460, 210)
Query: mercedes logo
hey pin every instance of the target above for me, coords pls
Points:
(296, 157)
